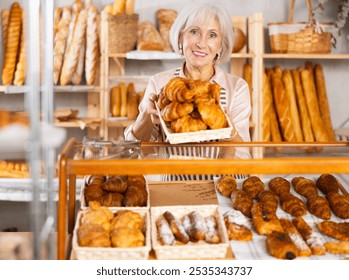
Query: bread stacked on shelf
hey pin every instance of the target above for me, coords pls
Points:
(13, 71)
(165, 19)
(7, 118)
(295, 105)
(76, 44)
(124, 101)
(300, 217)
(12, 169)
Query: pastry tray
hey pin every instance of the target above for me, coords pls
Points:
(191, 250)
(83, 204)
(135, 253)
(197, 136)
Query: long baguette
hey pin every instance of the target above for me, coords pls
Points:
(5, 17)
(71, 59)
(12, 44)
(267, 104)
(56, 18)
(283, 108)
(21, 64)
(290, 92)
(303, 110)
(323, 101)
(59, 44)
(313, 107)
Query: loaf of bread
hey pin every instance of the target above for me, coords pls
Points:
(317, 125)
(92, 48)
(323, 101)
(115, 101)
(56, 18)
(123, 95)
(21, 64)
(165, 19)
(267, 105)
(302, 106)
(290, 92)
(59, 44)
(77, 75)
(72, 55)
(148, 38)
(130, 7)
(12, 44)
(283, 108)
(5, 17)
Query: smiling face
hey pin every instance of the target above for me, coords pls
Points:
(201, 43)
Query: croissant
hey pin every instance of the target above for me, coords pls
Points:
(115, 184)
(304, 186)
(98, 215)
(162, 100)
(212, 114)
(176, 110)
(242, 201)
(269, 200)
(93, 192)
(226, 184)
(313, 239)
(319, 206)
(134, 180)
(135, 195)
(95, 179)
(292, 204)
(279, 185)
(91, 235)
(187, 124)
(280, 246)
(264, 220)
(112, 199)
(213, 92)
(127, 218)
(327, 183)
(253, 186)
(338, 231)
(296, 237)
(339, 204)
(177, 90)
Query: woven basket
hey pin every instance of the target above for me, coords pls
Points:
(300, 37)
(122, 32)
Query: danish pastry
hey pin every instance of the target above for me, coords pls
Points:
(264, 220)
(269, 200)
(226, 184)
(339, 231)
(238, 226)
(253, 186)
(337, 247)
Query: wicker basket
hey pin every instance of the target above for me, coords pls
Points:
(122, 32)
(300, 37)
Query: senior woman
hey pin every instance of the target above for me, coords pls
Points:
(202, 33)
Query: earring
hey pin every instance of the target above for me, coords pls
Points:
(180, 46)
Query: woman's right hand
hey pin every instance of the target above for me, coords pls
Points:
(151, 109)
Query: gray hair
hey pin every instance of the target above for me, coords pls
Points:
(200, 12)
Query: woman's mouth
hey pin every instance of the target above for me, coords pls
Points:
(200, 54)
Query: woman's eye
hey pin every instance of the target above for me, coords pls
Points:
(194, 31)
(213, 35)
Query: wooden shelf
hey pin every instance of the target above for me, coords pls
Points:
(81, 122)
(68, 89)
(14, 89)
(304, 56)
(119, 122)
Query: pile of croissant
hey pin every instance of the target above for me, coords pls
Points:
(100, 227)
(255, 205)
(191, 105)
(116, 191)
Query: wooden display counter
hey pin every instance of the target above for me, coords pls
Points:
(70, 168)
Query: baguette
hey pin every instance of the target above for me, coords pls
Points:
(57, 17)
(91, 46)
(5, 17)
(313, 107)
(119, 7)
(303, 110)
(323, 101)
(267, 105)
(290, 92)
(283, 108)
(132, 102)
(130, 7)
(59, 44)
(71, 59)
(77, 75)
(278, 71)
(12, 44)
(123, 92)
(21, 64)
(274, 125)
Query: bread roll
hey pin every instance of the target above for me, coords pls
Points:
(283, 108)
(165, 19)
(21, 64)
(148, 38)
(92, 48)
(60, 42)
(290, 92)
(302, 106)
(119, 7)
(5, 17)
(12, 44)
(71, 59)
(323, 101)
(115, 101)
(313, 107)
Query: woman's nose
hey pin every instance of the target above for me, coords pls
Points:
(201, 43)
